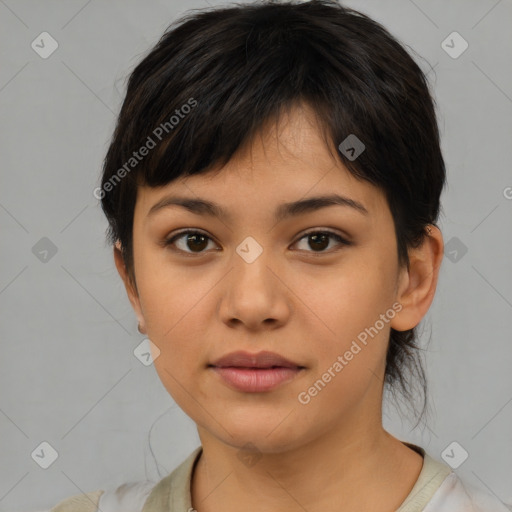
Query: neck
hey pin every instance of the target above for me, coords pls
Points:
(347, 469)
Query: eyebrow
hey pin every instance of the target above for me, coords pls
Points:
(285, 210)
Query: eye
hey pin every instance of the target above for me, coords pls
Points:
(319, 240)
(195, 240)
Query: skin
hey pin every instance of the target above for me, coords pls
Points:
(306, 303)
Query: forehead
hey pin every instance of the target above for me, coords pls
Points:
(285, 162)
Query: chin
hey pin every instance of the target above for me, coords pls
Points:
(260, 436)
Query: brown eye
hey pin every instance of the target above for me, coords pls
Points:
(194, 241)
(319, 240)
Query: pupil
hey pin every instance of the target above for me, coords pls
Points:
(195, 238)
(315, 238)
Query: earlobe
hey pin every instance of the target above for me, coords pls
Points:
(418, 284)
(129, 286)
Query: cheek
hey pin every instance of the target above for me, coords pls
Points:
(175, 314)
(181, 362)
(346, 301)
(354, 315)
(350, 356)
(172, 297)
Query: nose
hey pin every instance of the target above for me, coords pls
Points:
(254, 295)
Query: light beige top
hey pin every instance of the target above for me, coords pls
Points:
(172, 493)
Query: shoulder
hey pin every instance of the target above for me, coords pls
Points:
(129, 496)
(138, 496)
(456, 495)
(79, 503)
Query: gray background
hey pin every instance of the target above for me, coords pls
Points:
(68, 374)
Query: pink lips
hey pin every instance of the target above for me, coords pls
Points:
(255, 373)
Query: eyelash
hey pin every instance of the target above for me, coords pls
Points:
(169, 241)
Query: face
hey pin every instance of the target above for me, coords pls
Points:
(252, 282)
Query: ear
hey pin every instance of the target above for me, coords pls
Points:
(417, 285)
(130, 286)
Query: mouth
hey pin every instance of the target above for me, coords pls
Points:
(260, 360)
(256, 380)
(255, 373)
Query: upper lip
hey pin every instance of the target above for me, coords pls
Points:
(263, 359)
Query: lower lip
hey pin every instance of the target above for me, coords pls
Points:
(254, 380)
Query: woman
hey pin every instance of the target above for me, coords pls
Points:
(272, 190)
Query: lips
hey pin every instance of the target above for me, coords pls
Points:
(255, 373)
(263, 359)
